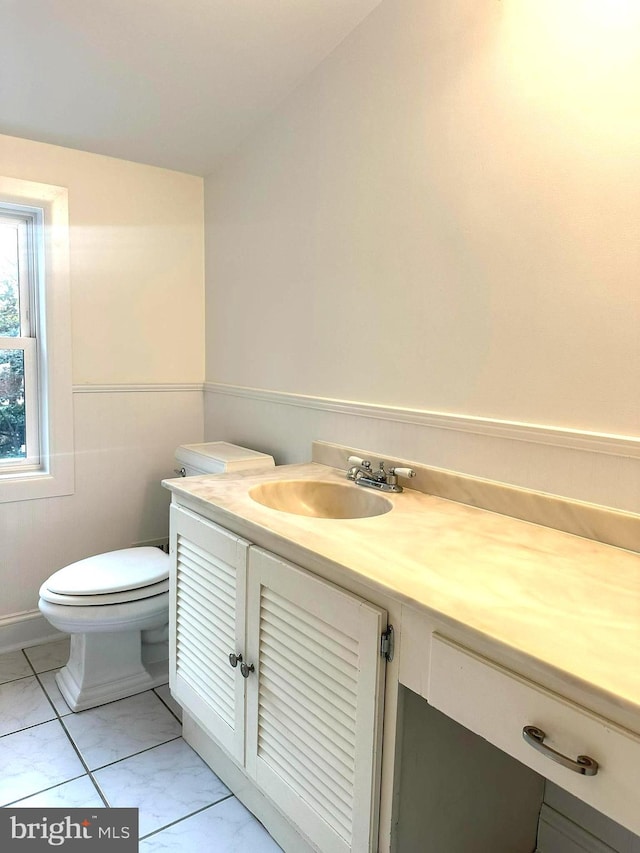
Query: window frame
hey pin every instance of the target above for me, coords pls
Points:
(48, 470)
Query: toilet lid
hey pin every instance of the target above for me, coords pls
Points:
(113, 572)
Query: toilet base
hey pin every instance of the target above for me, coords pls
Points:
(103, 667)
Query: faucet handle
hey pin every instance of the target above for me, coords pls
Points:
(361, 463)
(403, 472)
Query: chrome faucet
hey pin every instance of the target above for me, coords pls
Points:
(363, 474)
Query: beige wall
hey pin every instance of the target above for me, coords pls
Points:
(137, 290)
(445, 216)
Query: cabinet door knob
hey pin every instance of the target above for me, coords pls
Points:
(246, 670)
(583, 764)
(234, 660)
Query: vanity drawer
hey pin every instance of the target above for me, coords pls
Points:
(497, 704)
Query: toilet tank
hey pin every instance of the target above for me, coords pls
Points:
(218, 457)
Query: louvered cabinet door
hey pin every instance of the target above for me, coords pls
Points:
(207, 613)
(314, 702)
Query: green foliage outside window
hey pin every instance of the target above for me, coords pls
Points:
(12, 408)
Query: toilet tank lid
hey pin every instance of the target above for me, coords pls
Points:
(216, 456)
(115, 571)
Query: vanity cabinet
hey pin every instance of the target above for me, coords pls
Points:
(477, 659)
(496, 701)
(298, 706)
(498, 704)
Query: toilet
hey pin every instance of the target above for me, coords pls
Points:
(115, 606)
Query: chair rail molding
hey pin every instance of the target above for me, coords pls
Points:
(615, 445)
(137, 388)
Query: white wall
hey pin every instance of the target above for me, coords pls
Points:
(136, 257)
(445, 217)
(136, 262)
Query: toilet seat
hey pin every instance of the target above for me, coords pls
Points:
(104, 598)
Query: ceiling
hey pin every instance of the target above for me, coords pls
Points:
(174, 83)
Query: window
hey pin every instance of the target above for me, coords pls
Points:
(36, 458)
(20, 427)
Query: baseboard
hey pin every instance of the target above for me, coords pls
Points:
(20, 630)
(162, 542)
(279, 827)
(558, 834)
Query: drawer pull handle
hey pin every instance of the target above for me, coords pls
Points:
(582, 764)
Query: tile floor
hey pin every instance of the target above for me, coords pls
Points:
(128, 753)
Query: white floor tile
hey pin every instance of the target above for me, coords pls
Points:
(35, 759)
(121, 729)
(78, 794)
(224, 828)
(164, 783)
(48, 681)
(23, 703)
(165, 694)
(13, 665)
(49, 656)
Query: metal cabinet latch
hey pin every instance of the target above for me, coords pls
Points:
(387, 643)
(245, 669)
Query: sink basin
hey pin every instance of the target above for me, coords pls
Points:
(318, 499)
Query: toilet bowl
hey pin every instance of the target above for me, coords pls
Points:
(115, 606)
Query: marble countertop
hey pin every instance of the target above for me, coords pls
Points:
(571, 603)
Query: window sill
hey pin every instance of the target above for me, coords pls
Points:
(32, 485)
